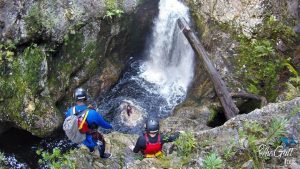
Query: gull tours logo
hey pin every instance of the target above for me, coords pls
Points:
(285, 151)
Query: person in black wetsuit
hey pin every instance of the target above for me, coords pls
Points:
(150, 144)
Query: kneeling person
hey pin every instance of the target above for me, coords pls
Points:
(150, 144)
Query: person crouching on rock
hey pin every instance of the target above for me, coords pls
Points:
(94, 141)
(151, 143)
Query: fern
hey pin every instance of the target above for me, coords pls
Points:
(292, 91)
(185, 143)
(277, 128)
(254, 127)
(229, 153)
(295, 111)
(293, 83)
(212, 161)
(295, 80)
(291, 69)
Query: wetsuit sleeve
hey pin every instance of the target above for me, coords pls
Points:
(68, 112)
(169, 137)
(140, 144)
(95, 118)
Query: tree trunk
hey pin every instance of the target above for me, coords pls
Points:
(230, 108)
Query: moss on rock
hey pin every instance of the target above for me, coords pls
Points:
(21, 91)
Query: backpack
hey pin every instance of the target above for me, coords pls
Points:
(75, 126)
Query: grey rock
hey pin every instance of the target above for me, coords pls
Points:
(54, 18)
(248, 165)
(295, 166)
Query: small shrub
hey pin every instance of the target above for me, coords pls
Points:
(260, 64)
(112, 10)
(185, 143)
(277, 129)
(256, 135)
(56, 159)
(212, 161)
(228, 153)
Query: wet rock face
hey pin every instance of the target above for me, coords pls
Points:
(219, 23)
(74, 46)
(28, 20)
(246, 14)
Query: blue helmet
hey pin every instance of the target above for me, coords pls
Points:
(80, 94)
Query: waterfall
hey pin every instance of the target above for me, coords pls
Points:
(170, 58)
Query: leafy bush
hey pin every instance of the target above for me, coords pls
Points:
(259, 63)
(212, 161)
(259, 66)
(185, 143)
(112, 10)
(56, 159)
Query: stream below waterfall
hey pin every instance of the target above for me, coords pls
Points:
(155, 83)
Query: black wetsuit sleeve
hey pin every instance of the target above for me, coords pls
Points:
(169, 137)
(140, 144)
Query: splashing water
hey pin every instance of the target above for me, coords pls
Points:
(170, 58)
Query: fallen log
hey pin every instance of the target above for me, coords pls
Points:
(222, 92)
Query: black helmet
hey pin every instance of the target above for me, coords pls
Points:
(152, 126)
(80, 94)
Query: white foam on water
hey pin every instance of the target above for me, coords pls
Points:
(170, 60)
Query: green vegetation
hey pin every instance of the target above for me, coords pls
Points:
(259, 63)
(293, 84)
(38, 20)
(185, 144)
(56, 159)
(112, 9)
(20, 84)
(295, 111)
(7, 54)
(78, 54)
(34, 21)
(213, 115)
(212, 161)
(253, 135)
(3, 161)
(22, 73)
(229, 153)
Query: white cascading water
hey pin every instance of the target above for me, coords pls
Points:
(170, 57)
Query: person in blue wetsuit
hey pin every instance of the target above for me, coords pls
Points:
(94, 140)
